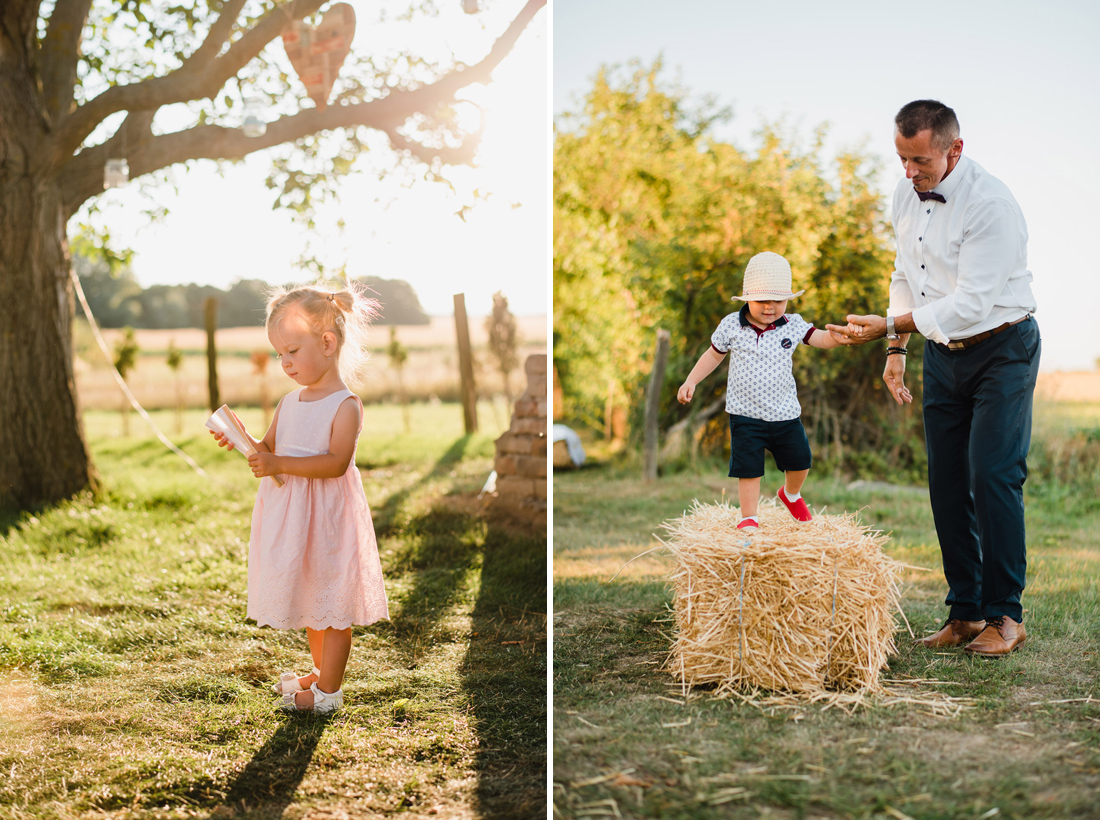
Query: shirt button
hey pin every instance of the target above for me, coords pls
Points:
(922, 267)
(920, 238)
(928, 211)
(922, 293)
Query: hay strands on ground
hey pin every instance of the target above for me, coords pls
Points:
(801, 610)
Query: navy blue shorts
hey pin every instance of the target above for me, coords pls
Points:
(750, 437)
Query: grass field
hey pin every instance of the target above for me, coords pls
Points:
(626, 744)
(136, 687)
(430, 371)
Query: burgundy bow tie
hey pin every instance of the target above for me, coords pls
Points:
(926, 195)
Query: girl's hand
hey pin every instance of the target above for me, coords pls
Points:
(685, 393)
(263, 464)
(222, 440)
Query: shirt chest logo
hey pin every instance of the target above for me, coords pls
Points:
(786, 344)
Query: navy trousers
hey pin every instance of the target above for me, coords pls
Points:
(977, 425)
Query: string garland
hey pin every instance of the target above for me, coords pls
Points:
(122, 382)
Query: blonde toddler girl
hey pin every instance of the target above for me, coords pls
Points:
(312, 557)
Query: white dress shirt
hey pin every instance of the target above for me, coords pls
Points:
(961, 267)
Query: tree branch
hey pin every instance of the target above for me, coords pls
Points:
(192, 81)
(218, 34)
(146, 154)
(59, 56)
(482, 72)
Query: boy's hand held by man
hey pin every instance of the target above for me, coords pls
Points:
(859, 330)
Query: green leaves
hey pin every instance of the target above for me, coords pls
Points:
(655, 219)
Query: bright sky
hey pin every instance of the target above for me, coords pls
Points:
(222, 228)
(1023, 78)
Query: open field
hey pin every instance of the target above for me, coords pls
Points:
(1073, 386)
(626, 743)
(430, 371)
(135, 688)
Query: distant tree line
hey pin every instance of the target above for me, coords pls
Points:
(117, 300)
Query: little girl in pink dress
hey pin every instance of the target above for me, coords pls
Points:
(313, 558)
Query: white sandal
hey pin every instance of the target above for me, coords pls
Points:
(288, 683)
(322, 701)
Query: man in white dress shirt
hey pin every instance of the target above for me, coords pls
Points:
(961, 281)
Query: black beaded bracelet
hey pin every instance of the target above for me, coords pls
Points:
(896, 351)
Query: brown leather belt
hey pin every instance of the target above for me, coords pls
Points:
(962, 344)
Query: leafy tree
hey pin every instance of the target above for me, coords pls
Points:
(501, 327)
(400, 304)
(84, 81)
(125, 357)
(399, 354)
(654, 222)
(174, 360)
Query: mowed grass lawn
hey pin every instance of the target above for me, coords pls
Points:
(627, 745)
(135, 687)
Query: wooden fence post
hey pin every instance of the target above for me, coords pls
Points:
(465, 365)
(653, 404)
(210, 311)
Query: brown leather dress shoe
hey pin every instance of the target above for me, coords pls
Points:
(953, 633)
(1000, 636)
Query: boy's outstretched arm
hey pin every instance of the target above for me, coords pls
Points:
(823, 339)
(703, 368)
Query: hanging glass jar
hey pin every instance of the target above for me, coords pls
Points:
(254, 124)
(116, 173)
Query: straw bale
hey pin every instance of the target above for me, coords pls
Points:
(800, 608)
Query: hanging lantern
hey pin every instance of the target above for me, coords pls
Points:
(116, 173)
(254, 124)
(469, 6)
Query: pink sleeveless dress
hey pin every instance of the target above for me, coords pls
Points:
(312, 557)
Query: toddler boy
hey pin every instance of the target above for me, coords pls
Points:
(761, 397)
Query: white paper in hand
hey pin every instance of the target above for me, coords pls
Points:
(222, 421)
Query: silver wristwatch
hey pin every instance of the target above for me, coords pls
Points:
(891, 333)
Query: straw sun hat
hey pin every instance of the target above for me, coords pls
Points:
(767, 278)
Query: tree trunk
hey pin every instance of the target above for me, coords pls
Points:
(43, 455)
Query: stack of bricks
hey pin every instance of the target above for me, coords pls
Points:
(521, 452)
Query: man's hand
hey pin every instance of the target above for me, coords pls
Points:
(263, 464)
(894, 376)
(859, 330)
(685, 393)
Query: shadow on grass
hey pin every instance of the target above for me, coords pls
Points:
(504, 669)
(438, 548)
(269, 781)
(504, 676)
(387, 518)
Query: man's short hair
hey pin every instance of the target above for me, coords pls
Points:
(920, 115)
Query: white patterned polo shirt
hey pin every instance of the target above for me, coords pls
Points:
(761, 384)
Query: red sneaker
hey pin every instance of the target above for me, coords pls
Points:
(748, 524)
(796, 508)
